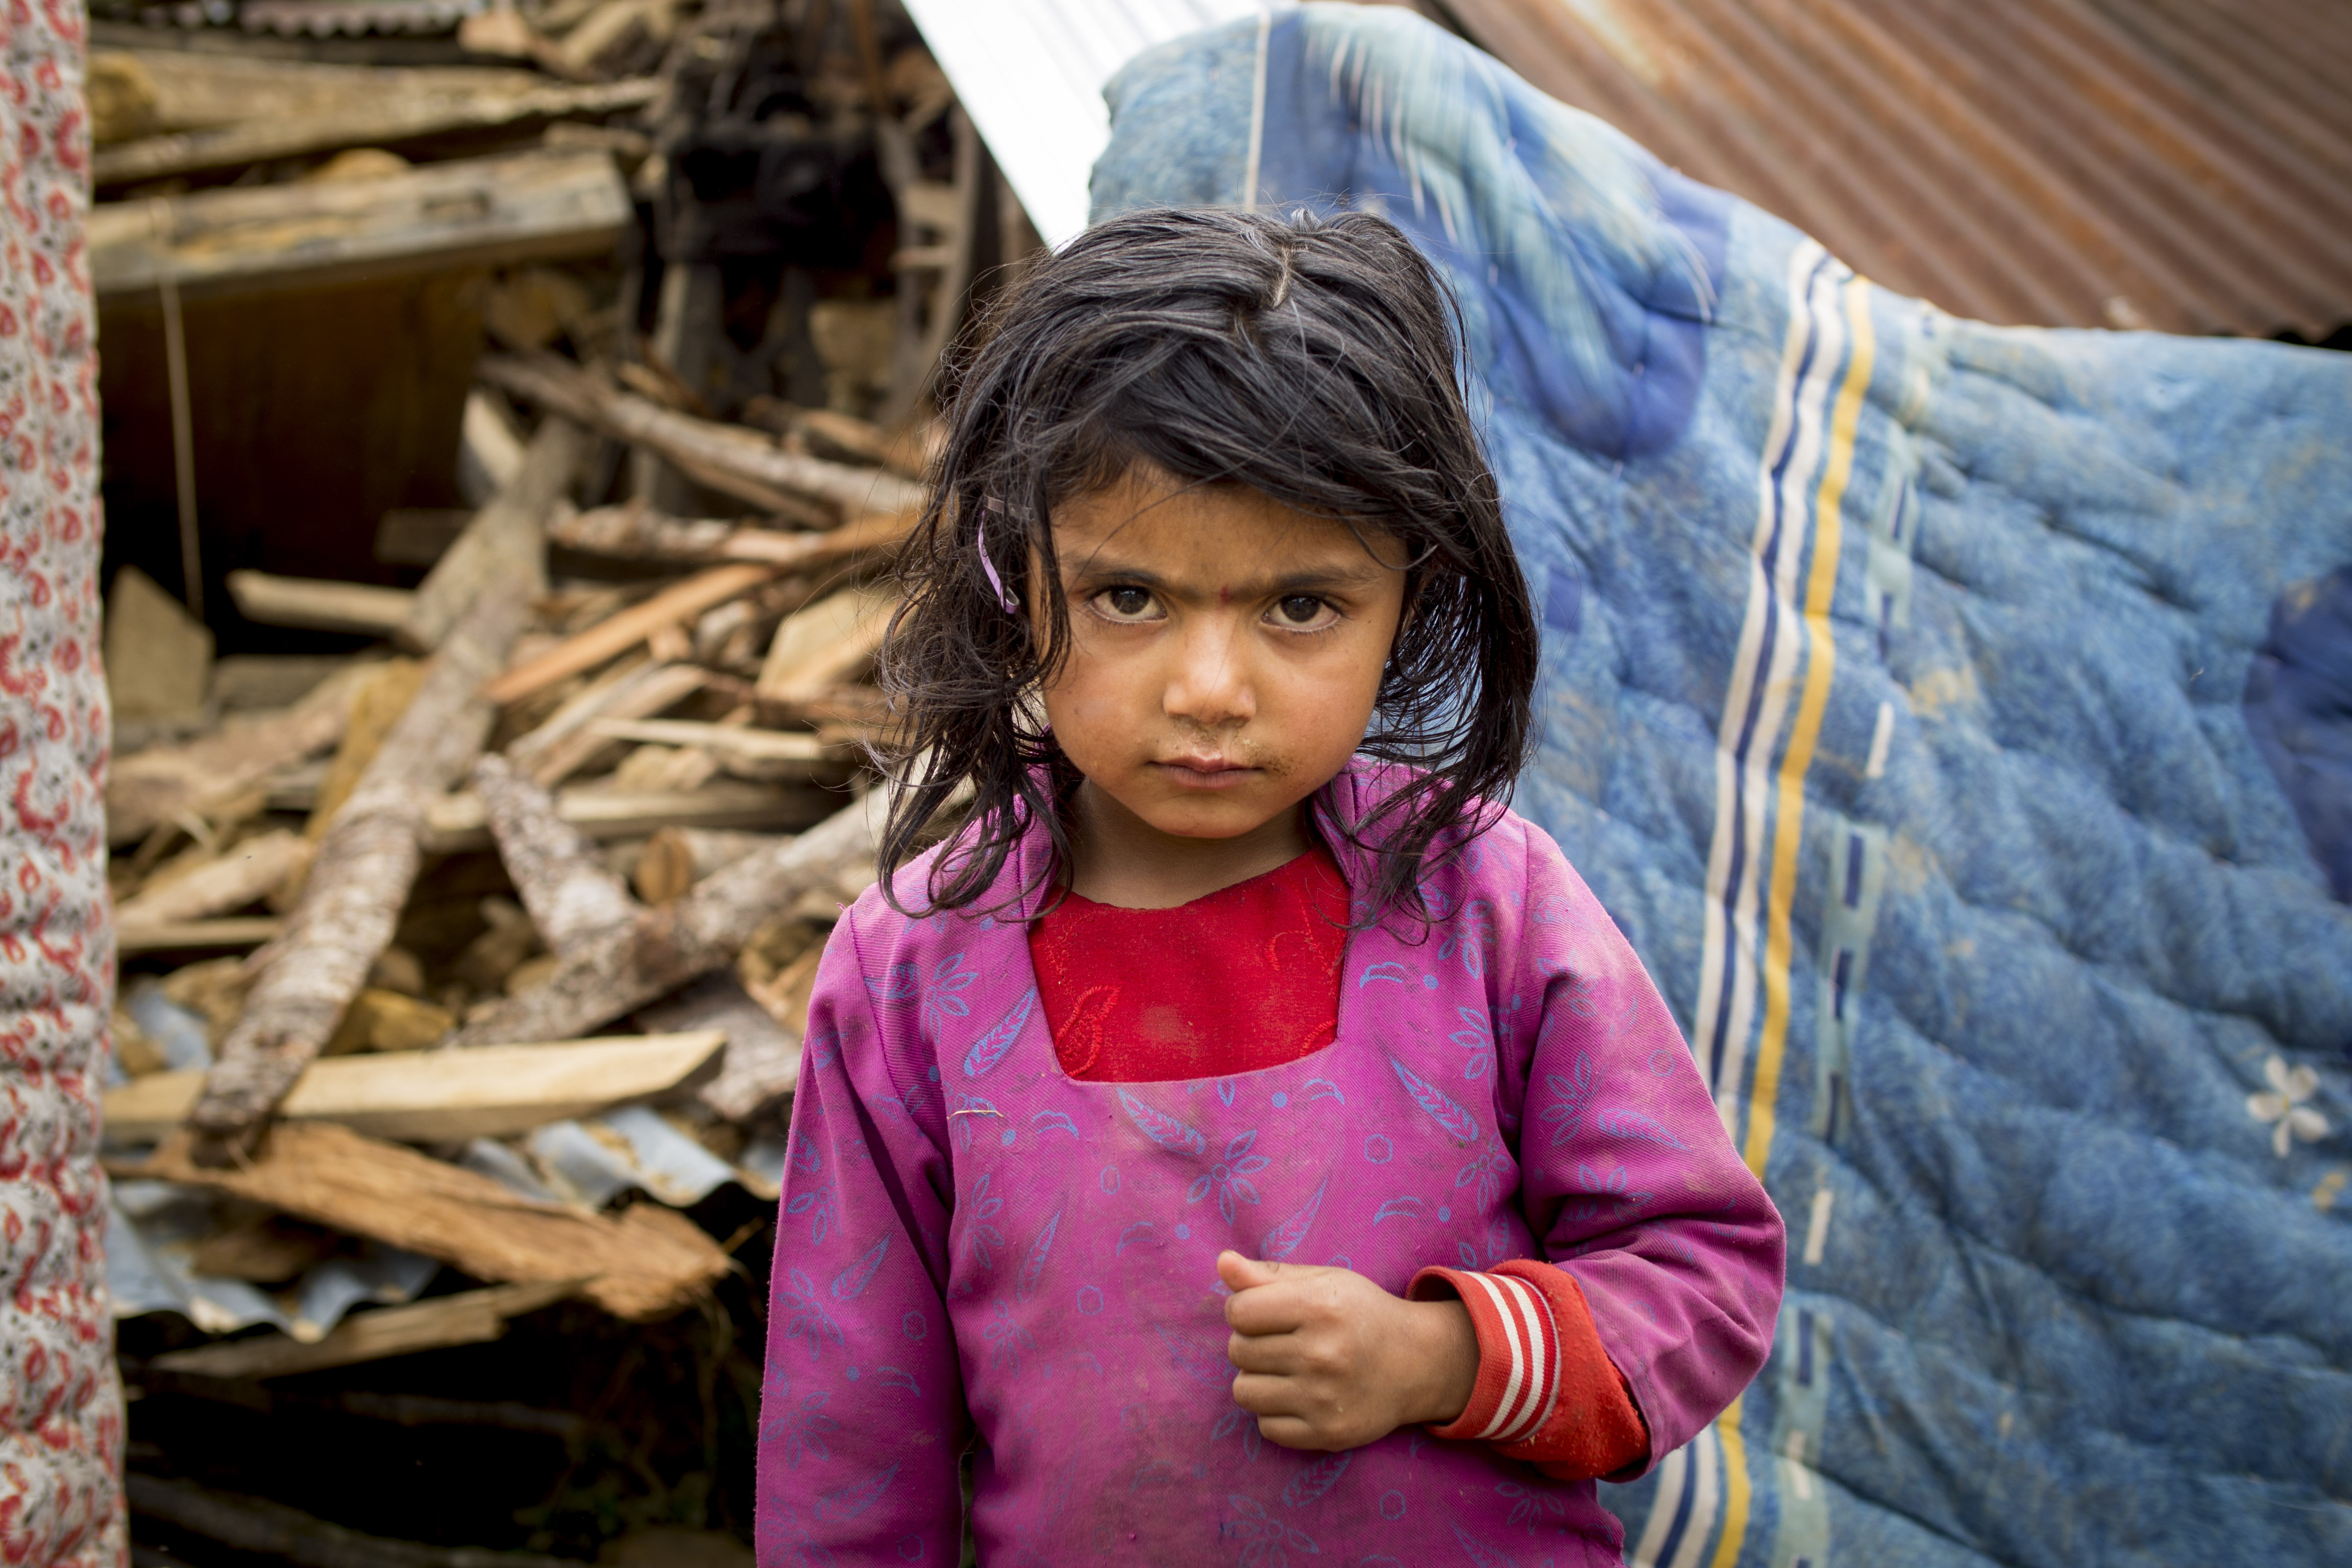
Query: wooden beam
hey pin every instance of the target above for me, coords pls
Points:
(631, 532)
(561, 386)
(470, 212)
(317, 605)
(504, 536)
(372, 120)
(197, 936)
(777, 746)
(646, 1263)
(434, 1097)
(457, 823)
(617, 634)
(196, 91)
(469, 1317)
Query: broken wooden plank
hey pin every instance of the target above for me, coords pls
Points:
(763, 1064)
(468, 212)
(561, 746)
(741, 750)
(457, 822)
(634, 533)
(149, 788)
(822, 644)
(273, 1530)
(571, 893)
(641, 1265)
(249, 870)
(197, 936)
(561, 386)
(158, 656)
(430, 1096)
(615, 635)
(318, 604)
(374, 119)
(366, 863)
(504, 536)
(664, 948)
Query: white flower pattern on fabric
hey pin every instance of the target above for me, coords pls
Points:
(2283, 1103)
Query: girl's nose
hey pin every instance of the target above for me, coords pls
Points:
(1210, 684)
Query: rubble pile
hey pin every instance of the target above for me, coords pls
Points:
(527, 400)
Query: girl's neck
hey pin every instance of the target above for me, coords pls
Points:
(1119, 859)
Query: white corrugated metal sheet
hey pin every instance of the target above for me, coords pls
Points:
(1031, 74)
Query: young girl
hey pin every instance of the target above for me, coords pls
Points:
(1242, 1137)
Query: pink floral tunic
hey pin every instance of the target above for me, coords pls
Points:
(973, 1244)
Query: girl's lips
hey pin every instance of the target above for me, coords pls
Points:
(1203, 773)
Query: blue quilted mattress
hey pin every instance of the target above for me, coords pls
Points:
(1958, 720)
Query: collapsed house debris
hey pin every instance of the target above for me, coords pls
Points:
(509, 415)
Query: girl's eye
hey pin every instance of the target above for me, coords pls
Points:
(1303, 612)
(1125, 604)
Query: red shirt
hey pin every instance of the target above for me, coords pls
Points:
(1245, 978)
(1248, 977)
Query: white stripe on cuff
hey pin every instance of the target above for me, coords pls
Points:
(1513, 1340)
(1543, 1373)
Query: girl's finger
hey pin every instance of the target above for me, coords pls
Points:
(1263, 1395)
(1290, 1432)
(1274, 1308)
(1274, 1354)
(1241, 1273)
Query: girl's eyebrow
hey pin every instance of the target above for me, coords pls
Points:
(1097, 569)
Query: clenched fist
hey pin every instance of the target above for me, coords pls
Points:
(1330, 1360)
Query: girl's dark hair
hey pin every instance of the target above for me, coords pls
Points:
(1312, 359)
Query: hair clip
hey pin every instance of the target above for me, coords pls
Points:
(1004, 594)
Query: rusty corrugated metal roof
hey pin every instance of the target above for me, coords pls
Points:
(2182, 165)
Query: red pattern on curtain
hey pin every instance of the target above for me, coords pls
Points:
(61, 1405)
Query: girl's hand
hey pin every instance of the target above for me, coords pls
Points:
(1330, 1360)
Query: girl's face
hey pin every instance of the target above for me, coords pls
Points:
(1225, 658)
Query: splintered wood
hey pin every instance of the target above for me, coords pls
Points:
(150, 788)
(726, 451)
(644, 1263)
(576, 901)
(365, 865)
(573, 896)
(617, 634)
(664, 948)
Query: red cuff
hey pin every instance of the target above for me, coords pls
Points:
(1546, 1391)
